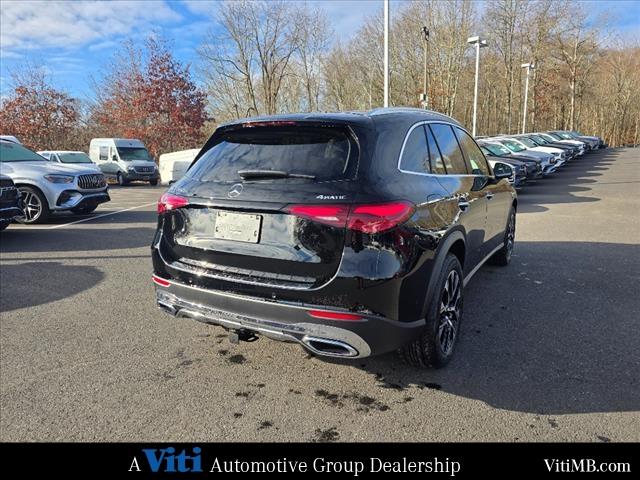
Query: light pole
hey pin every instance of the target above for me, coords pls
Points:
(529, 66)
(479, 43)
(425, 41)
(386, 53)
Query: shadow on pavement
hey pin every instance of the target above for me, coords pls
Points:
(31, 284)
(553, 333)
(575, 178)
(74, 239)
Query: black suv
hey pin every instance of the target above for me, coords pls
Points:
(350, 233)
(10, 202)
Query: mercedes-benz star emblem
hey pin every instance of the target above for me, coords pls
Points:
(235, 190)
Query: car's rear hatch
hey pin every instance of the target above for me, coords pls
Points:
(246, 211)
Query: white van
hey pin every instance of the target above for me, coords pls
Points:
(127, 159)
(174, 165)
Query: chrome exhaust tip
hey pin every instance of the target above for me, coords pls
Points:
(167, 307)
(328, 347)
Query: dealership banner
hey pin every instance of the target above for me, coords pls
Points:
(458, 460)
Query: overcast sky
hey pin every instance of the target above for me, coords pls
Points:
(72, 40)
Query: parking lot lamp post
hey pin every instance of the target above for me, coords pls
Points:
(386, 53)
(425, 41)
(529, 66)
(479, 43)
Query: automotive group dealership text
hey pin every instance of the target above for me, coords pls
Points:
(170, 461)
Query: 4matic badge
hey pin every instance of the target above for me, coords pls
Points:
(331, 197)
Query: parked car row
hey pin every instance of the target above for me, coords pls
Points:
(534, 155)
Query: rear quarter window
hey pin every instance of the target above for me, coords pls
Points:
(415, 153)
(327, 153)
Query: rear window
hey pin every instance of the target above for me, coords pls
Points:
(321, 152)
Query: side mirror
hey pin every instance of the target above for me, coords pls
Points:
(502, 170)
(114, 158)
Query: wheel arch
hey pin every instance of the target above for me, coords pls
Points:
(454, 242)
(21, 183)
(34, 186)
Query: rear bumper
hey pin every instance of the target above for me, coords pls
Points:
(286, 321)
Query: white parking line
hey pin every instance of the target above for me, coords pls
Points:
(81, 220)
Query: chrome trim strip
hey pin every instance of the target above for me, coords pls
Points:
(280, 303)
(204, 273)
(482, 262)
(294, 332)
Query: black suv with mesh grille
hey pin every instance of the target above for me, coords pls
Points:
(10, 206)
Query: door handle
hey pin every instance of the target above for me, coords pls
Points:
(489, 195)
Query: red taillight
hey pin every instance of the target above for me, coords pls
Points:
(335, 215)
(369, 218)
(378, 218)
(169, 201)
(160, 281)
(327, 315)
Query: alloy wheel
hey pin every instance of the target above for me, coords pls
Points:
(511, 234)
(450, 311)
(32, 206)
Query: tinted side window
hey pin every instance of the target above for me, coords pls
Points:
(449, 148)
(415, 155)
(437, 165)
(477, 164)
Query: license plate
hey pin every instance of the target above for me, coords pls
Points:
(240, 227)
(146, 177)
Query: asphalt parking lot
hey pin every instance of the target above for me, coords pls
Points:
(549, 350)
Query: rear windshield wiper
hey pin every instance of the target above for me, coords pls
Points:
(258, 173)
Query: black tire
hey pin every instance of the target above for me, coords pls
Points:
(84, 210)
(3, 225)
(502, 257)
(121, 180)
(34, 206)
(153, 183)
(436, 344)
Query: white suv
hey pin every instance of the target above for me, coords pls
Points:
(48, 187)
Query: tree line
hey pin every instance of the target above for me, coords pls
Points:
(278, 56)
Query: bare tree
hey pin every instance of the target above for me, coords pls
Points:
(504, 19)
(247, 63)
(576, 47)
